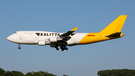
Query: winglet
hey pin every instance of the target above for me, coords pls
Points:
(74, 29)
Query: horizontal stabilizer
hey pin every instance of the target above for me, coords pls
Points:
(115, 35)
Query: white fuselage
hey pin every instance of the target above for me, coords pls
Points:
(33, 37)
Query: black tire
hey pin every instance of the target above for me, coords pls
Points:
(19, 47)
(57, 48)
(62, 49)
(66, 48)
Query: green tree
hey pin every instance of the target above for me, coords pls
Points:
(40, 73)
(8, 73)
(17, 73)
(29, 74)
(118, 72)
(2, 72)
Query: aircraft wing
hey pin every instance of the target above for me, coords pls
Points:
(66, 36)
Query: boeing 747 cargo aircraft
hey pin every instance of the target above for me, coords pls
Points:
(62, 40)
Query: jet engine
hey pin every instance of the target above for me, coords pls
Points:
(55, 39)
(41, 43)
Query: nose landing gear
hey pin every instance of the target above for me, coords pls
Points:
(19, 46)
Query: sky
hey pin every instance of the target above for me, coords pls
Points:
(62, 16)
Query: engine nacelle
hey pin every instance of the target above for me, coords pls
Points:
(41, 43)
(53, 39)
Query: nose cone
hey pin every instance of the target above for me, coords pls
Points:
(10, 38)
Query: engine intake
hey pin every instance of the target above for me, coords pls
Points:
(41, 43)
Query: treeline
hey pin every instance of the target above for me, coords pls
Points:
(117, 72)
(18, 73)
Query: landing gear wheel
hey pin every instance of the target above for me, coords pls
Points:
(66, 48)
(19, 46)
(62, 48)
(56, 47)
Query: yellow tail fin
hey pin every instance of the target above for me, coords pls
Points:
(115, 26)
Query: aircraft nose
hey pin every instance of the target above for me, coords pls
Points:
(10, 38)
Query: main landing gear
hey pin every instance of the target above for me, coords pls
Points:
(62, 48)
(19, 46)
(56, 47)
